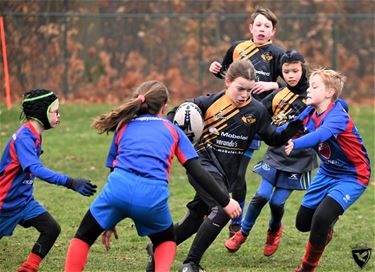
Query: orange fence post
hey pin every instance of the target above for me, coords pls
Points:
(5, 62)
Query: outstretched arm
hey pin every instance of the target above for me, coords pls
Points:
(273, 137)
(309, 140)
(202, 180)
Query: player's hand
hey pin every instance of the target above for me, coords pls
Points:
(289, 147)
(262, 86)
(233, 209)
(106, 235)
(82, 186)
(215, 67)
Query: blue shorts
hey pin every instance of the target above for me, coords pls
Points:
(9, 222)
(344, 189)
(127, 195)
(283, 179)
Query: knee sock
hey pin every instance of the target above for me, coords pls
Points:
(31, 264)
(187, 226)
(312, 256)
(164, 255)
(76, 256)
(205, 236)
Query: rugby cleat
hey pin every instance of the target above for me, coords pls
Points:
(234, 243)
(190, 267)
(272, 242)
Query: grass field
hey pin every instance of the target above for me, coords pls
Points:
(75, 149)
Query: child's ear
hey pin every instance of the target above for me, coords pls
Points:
(164, 109)
(227, 83)
(331, 92)
(250, 27)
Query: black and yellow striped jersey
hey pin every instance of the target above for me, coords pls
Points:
(265, 58)
(284, 105)
(229, 130)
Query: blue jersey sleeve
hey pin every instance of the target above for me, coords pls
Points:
(28, 157)
(312, 139)
(27, 152)
(48, 175)
(333, 124)
(112, 153)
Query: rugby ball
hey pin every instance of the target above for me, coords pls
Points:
(189, 118)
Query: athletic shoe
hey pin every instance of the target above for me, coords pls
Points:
(272, 242)
(299, 269)
(233, 228)
(234, 243)
(25, 267)
(150, 258)
(190, 267)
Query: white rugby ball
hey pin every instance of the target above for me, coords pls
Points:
(189, 118)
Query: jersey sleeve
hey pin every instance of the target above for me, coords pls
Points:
(312, 139)
(111, 157)
(227, 60)
(48, 175)
(333, 124)
(29, 160)
(27, 153)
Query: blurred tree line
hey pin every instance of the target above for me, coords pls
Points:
(99, 50)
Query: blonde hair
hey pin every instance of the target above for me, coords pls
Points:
(331, 79)
(240, 68)
(148, 98)
(266, 13)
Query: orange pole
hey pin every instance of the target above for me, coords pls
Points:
(5, 62)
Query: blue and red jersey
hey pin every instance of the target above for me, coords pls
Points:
(146, 147)
(19, 166)
(337, 142)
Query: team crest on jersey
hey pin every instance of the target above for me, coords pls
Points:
(248, 119)
(324, 150)
(267, 56)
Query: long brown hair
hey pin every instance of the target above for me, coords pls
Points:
(148, 98)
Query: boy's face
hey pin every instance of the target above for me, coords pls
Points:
(239, 89)
(292, 73)
(54, 115)
(318, 93)
(262, 30)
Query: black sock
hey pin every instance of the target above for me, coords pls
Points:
(206, 234)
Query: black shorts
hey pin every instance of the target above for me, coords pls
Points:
(203, 202)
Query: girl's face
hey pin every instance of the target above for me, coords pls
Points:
(262, 30)
(54, 115)
(318, 93)
(239, 89)
(292, 73)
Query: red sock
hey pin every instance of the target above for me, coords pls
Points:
(164, 256)
(312, 256)
(31, 264)
(76, 256)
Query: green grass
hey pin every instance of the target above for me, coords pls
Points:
(75, 149)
